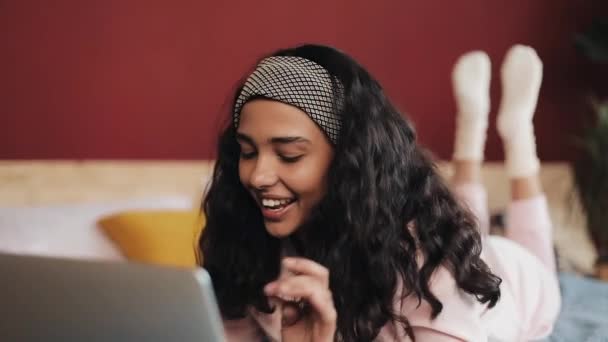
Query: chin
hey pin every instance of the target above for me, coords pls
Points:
(279, 230)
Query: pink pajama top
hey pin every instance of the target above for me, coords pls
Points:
(530, 297)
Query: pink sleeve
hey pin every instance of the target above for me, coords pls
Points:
(431, 335)
(244, 330)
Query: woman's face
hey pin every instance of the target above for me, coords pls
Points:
(284, 162)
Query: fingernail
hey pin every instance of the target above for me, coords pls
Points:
(288, 262)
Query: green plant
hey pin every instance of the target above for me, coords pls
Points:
(591, 176)
(593, 43)
(591, 169)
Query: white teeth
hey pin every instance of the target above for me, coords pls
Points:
(274, 203)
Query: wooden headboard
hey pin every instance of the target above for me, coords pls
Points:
(33, 183)
(38, 183)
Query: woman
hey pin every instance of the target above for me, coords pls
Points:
(326, 220)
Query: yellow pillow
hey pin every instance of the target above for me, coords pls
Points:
(165, 237)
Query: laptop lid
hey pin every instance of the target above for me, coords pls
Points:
(54, 299)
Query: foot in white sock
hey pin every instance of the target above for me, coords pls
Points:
(521, 75)
(471, 84)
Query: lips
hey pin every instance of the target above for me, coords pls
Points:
(274, 209)
(276, 203)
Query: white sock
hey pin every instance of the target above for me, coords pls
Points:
(521, 73)
(471, 84)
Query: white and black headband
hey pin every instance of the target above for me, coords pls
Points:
(298, 82)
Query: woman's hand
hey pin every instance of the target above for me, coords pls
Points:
(309, 282)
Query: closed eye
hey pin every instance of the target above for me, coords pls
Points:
(290, 159)
(248, 155)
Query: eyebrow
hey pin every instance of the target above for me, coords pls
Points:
(288, 140)
(275, 140)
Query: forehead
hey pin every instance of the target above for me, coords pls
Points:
(263, 118)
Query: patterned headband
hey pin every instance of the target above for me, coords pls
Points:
(298, 82)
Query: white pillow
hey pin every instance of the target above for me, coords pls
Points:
(70, 230)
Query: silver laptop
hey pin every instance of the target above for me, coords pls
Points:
(50, 299)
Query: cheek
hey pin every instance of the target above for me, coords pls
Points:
(308, 181)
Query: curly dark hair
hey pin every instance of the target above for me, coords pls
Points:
(379, 183)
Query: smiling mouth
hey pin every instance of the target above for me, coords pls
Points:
(274, 210)
(273, 204)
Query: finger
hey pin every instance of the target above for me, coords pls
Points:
(307, 267)
(308, 288)
(282, 287)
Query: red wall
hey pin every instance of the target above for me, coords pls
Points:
(147, 79)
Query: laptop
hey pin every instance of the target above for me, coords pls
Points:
(52, 299)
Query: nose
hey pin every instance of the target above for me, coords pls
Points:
(264, 174)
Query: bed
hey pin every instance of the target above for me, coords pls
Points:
(52, 208)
